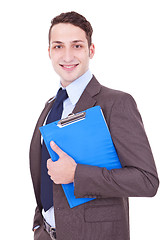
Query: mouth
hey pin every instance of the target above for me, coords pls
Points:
(69, 67)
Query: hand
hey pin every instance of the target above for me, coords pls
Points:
(61, 171)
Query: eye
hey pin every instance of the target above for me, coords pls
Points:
(57, 47)
(77, 46)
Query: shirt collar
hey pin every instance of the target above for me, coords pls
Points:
(76, 88)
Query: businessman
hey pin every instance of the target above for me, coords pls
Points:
(106, 217)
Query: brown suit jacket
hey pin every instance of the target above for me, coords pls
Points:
(106, 217)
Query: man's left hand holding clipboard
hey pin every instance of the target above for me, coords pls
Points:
(63, 170)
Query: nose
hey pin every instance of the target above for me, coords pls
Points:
(68, 55)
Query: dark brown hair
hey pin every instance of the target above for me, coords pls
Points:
(77, 20)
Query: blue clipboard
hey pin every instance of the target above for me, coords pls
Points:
(86, 138)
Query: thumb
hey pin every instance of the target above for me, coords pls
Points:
(57, 149)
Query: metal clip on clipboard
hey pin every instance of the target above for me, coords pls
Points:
(71, 119)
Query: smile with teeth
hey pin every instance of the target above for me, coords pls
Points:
(69, 67)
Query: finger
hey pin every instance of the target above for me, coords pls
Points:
(49, 162)
(57, 149)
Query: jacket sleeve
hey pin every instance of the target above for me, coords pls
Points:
(38, 219)
(138, 175)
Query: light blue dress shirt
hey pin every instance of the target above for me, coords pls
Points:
(74, 91)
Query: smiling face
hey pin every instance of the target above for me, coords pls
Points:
(69, 52)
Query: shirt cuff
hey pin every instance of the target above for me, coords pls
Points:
(35, 228)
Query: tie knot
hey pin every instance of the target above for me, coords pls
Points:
(61, 96)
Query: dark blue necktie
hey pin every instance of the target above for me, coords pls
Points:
(46, 183)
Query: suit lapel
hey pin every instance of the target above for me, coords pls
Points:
(87, 99)
(41, 121)
(35, 153)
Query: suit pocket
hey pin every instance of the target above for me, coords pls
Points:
(106, 213)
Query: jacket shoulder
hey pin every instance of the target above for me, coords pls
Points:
(107, 93)
(115, 94)
(109, 98)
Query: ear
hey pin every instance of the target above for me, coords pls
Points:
(49, 52)
(92, 51)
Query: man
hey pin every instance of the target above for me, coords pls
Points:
(106, 217)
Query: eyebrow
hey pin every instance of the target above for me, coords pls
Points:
(59, 42)
(76, 41)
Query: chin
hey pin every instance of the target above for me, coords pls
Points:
(70, 77)
(66, 82)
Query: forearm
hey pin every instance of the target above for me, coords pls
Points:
(98, 182)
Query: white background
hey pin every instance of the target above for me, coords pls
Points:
(127, 40)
